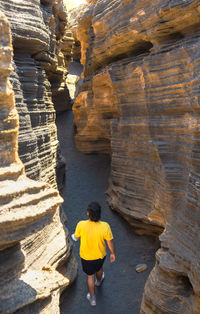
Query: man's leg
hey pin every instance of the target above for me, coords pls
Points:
(99, 274)
(90, 284)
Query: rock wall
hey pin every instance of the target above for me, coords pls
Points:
(36, 260)
(42, 51)
(140, 102)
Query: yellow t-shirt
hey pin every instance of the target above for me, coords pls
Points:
(92, 236)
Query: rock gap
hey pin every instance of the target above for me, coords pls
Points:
(87, 179)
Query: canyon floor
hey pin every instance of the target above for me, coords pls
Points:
(86, 180)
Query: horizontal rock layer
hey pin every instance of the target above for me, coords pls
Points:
(36, 262)
(140, 102)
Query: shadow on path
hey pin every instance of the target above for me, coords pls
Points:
(86, 180)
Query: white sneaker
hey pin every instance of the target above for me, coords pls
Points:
(92, 300)
(99, 282)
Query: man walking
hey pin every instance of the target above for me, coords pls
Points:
(93, 233)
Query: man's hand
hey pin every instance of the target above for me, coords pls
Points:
(74, 238)
(112, 257)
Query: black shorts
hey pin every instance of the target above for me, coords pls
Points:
(93, 266)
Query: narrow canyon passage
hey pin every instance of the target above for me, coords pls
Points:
(86, 180)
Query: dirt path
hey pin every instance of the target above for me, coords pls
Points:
(86, 180)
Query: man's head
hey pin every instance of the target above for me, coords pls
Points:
(94, 211)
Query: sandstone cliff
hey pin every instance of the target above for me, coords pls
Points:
(42, 51)
(140, 102)
(36, 263)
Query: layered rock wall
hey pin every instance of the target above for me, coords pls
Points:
(42, 51)
(140, 102)
(36, 261)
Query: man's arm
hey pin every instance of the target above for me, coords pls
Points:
(77, 234)
(112, 250)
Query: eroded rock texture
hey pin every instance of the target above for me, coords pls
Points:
(42, 51)
(140, 102)
(36, 263)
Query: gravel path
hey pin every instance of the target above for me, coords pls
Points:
(86, 180)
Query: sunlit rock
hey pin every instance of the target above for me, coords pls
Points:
(139, 101)
(141, 267)
(93, 111)
(72, 81)
(32, 226)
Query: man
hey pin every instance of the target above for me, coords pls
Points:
(93, 233)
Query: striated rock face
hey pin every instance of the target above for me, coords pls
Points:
(42, 50)
(140, 102)
(36, 263)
